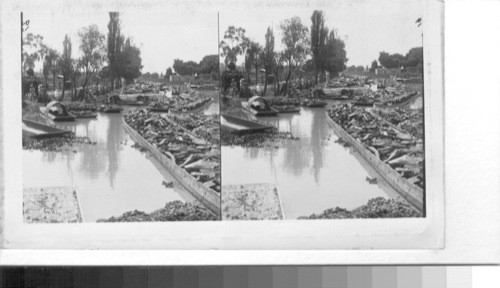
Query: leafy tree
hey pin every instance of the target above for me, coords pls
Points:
(296, 41)
(168, 73)
(185, 68)
(179, 67)
(130, 62)
(267, 55)
(231, 66)
(391, 60)
(115, 44)
(65, 64)
(50, 65)
(351, 69)
(155, 75)
(209, 64)
(33, 50)
(319, 35)
(252, 58)
(45, 73)
(374, 66)
(308, 66)
(104, 73)
(75, 75)
(235, 43)
(415, 57)
(278, 68)
(93, 52)
(336, 56)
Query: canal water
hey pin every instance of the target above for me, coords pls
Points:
(213, 107)
(111, 177)
(312, 174)
(417, 103)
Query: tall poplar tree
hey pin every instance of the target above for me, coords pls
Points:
(115, 45)
(319, 35)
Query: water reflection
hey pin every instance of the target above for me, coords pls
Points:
(113, 146)
(417, 103)
(213, 107)
(312, 174)
(112, 177)
(318, 134)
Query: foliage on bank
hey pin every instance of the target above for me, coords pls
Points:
(173, 211)
(375, 208)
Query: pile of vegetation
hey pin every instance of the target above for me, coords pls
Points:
(375, 208)
(256, 140)
(173, 211)
(55, 144)
(198, 157)
(402, 151)
(80, 106)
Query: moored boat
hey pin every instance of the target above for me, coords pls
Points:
(85, 114)
(241, 125)
(260, 107)
(286, 109)
(56, 111)
(314, 104)
(40, 130)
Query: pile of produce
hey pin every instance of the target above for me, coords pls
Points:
(173, 211)
(313, 101)
(197, 156)
(83, 113)
(256, 140)
(284, 108)
(204, 126)
(142, 87)
(375, 208)
(399, 149)
(346, 81)
(181, 103)
(184, 103)
(282, 101)
(365, 99)
(410, 121)
(396, 98)
(159, 106)
(55, 144)
(80, 106)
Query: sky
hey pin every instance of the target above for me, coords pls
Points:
(162, 34)
(188, 30)
(367, 27)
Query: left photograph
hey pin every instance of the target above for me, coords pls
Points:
(120, 117)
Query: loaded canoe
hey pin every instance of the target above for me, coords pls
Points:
(39, 130)
(241, 125)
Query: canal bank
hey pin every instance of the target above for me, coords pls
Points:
(312, 173)
(410, 192)
(208, 197)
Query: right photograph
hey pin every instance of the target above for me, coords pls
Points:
(322, 111)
